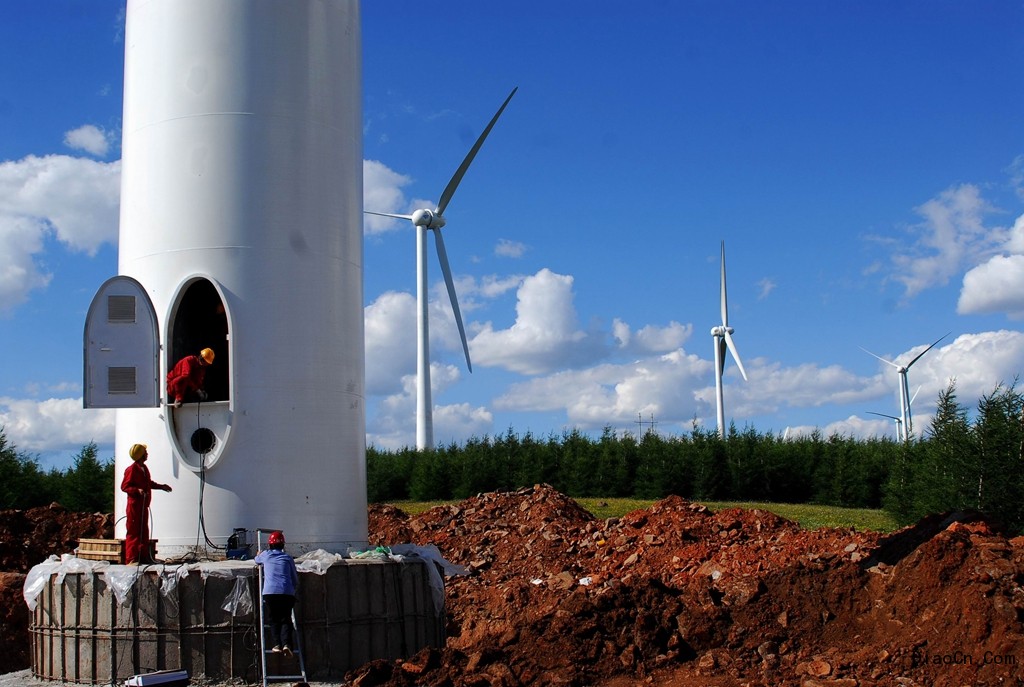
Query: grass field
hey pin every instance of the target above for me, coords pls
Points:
(808, 516)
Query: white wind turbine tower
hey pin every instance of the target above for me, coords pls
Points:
(433, 220)
(904, 387)
(722, 335)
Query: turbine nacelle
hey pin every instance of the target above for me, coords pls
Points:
(428, 218)
(721, 330)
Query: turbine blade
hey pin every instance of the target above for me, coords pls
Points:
(449, 190)
(735, 354)
(725, 306)
(891, 417)
(721, 356)
(916, 358)
(887, 362)
(442, 256)
(915, 395)
(387, 214)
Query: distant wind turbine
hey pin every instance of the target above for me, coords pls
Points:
(433, 220)
(905, 399)
(722, 335)
(899, 424)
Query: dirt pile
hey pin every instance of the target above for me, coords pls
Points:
(672, 595)
(28, 537)
(679, 595)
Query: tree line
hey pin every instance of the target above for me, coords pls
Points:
(963, 461)
(959, 463)
(86, 486)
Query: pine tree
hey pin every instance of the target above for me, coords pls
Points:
(88, 486)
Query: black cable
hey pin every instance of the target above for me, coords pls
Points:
(201, 526)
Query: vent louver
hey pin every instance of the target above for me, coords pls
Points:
(121, 380)
(121, 309)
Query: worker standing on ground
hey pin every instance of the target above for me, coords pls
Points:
(187, 377)
(280, 581)
(139, 486)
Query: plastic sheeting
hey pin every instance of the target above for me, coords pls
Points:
(436, 564)
(122, 578)
(239, 602)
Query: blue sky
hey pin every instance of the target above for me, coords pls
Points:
(863, 162)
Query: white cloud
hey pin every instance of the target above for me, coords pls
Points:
(853, 426)
(979, 362)
(650, 339)
(54, 424)
(995, 286)
(1016, 173)
(21, 239)
(460, 422)
(545, 335)
(393, 426)
(89, 138)
(1015, 242)
(74, 199)
(382, 192)
(509, 249)
(390, 323)
(765, 287)
(952, 237)
(611, 394)
(494, 286)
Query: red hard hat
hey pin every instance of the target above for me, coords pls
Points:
(276, 538)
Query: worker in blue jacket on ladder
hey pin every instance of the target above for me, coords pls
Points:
(280, 580)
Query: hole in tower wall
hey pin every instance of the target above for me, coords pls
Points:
(200, 321)
(203, 440)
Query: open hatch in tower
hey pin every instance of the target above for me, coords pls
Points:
(199, 320)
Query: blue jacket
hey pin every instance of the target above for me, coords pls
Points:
(279, 573)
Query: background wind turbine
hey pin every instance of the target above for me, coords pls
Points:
(433, 220)
(899, 424)
(722, 335)
(905, 399)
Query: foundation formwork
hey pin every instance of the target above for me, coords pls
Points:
(205, 621)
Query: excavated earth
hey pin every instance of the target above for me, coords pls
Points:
(682, 596)
(673, 595)
(28, 537)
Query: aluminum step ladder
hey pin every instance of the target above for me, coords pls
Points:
(264, 650)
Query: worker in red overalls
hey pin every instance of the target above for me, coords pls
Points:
(187, 377)
(139, 486)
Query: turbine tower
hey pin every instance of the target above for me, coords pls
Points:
(722, 335)
(423, 220)
(904, 386)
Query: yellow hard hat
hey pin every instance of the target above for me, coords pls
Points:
(137, 451)
(207, 355)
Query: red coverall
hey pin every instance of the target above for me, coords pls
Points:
(139, 486)
(188, 375)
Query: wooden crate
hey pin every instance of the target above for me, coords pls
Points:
(101, 550)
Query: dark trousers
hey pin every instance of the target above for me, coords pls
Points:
(279, 618)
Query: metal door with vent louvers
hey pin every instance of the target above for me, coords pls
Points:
(122, 349)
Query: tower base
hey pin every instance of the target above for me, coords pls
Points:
(95, 623)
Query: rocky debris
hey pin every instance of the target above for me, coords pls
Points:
(674, 595)
(679, 595)
(28, 537)
(13, 623)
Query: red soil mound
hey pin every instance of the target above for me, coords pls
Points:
(29, 537)
(679, 595)
(672, 595)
